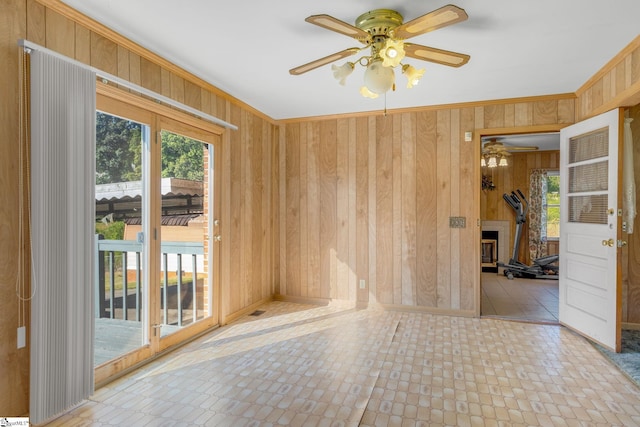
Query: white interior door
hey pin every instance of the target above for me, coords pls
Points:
(589, 228)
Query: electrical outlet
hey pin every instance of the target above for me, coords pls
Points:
(363, 284)
(457, 222)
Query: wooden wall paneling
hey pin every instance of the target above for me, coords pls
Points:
(226, 223)
(342, 210)
(36, 21)
(14, 381)
(304, 210)
(267, 210)
(275, 210)
(281, 285)
(83, 45)
(409, 209)
(151, 76)
(443, 202)
(235, 223)
(545, 112)
(177, 88)
(494, 116)
(509, 115)
(396, 196)
(635, 65)
(104, 54)
(352, 212)
(123, 62)
(313, 209)
(165, 83)
(246, 241)
(60, 33)
(566, 111)
(384, 208)
(373, 209)
(426, 210)
(328, 204)
(361, 159)
(293, 210)
(455, 196)
(254, 224)
(469, 173)
(192, 95)
(134, 69)
(523, 114)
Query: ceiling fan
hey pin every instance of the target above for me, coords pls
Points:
(384, 33)
(495, 153)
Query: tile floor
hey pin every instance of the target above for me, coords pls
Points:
(533, 300)
(302, 365)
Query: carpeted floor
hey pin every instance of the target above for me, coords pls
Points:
(628, 360)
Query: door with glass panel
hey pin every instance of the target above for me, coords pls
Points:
(189, 226)
(590, 236)
(121, 191)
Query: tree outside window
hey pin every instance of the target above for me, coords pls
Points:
(553, 205)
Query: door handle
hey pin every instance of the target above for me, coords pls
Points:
(611, 243)
(217, 237)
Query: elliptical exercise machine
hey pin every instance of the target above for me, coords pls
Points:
(542, 268)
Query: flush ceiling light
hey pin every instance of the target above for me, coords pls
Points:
(383, 33)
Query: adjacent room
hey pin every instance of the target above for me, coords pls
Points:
(342, 214)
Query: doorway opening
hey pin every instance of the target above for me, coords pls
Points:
(517, 155)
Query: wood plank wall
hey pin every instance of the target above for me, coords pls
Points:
(14, 362)
(617, 84)
(508, 179)
(406, 174)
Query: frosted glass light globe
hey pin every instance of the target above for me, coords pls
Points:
(377, 78)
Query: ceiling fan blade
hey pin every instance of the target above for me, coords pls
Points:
(330, 23)
(322, 61)
(446, 15)
(519, 148)
(444, 57)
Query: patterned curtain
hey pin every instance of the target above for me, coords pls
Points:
(538, 214)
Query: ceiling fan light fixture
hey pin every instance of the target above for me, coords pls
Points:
(341, 72)
(503, 161)
(413, 75)
(493, 162)
(392, 53)
(378, 78)
(483, 162)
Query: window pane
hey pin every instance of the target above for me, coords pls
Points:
(553, 205)
(119, 323)
(184, 284)
(588, 209)
(591, 177)
(589, 146)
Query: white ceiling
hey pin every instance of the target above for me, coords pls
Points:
(246, 48)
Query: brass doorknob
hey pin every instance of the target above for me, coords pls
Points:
(609, 243)
(217, 237)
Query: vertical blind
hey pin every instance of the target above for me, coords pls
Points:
(62, 219)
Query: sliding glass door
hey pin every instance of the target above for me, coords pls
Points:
(156, 214)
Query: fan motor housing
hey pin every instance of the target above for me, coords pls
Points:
(379, 22)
